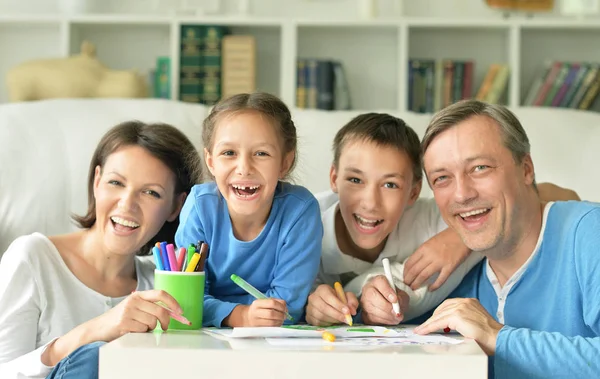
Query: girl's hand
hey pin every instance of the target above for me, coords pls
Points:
(138, 313)
(265, 312)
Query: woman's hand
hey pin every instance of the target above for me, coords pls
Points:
(138, 313)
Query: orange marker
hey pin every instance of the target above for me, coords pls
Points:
(342, 296)
(328, 336)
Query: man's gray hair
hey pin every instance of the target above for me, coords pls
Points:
(514, 136)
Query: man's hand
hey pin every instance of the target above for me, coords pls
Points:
(376, 300)
(469, 318)
(325, 308)
(441, 253)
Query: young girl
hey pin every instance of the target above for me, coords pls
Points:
(258, 227)
(60, 296)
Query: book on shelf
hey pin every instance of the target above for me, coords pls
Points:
(238, 65)
(200, 63)
(321, 84)
(435, 84)
(565, 84)
(162, 78)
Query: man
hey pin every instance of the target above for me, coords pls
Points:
(533, 302)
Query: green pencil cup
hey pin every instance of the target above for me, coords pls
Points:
(188, 289)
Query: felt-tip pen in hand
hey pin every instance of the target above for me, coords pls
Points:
(253, 291)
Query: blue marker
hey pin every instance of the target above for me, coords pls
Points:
(165, 256)
(157, 258)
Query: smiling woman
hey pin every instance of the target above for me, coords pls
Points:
(62, 296)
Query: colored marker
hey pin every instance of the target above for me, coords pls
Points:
(157, 258)
(193, 262)
(174, 315)
(172, 257)
(342, 296)
(388, 275)
(191, 250)
(203, 255)
(181, 259)
(165, 256)
(330, 337)
(253, 291)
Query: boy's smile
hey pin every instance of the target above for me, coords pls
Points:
(374, 184)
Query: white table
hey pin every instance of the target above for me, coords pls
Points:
(178, 355)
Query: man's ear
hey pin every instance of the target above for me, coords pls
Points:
(333, 175)
(288, 161)
(209, 161)
(415, 191)
(179, 201)
(528, 169)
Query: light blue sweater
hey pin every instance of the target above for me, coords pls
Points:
(281, 262)
(552, 313)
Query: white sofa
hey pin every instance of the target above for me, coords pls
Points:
(45, 148)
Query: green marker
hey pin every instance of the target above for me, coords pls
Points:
(253, 291)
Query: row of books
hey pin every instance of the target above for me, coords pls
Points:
(435, 84)
(214, 64)
(565, 85)
(321, 84)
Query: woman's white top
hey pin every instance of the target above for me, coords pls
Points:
(41, 300)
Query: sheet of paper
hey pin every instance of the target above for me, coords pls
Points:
(372, 341)
(306, 331)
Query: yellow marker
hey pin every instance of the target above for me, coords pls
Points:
(342, 296)
(328, 336)
(193, 262)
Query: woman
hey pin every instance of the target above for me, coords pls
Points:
(62, 296)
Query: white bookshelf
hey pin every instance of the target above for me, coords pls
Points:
(374, 52)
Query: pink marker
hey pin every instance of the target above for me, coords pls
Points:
(172, 258)
(174, 315)
(181, 258)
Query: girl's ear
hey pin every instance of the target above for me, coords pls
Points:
(288, 161)
(209, 161)
(179, 201)
(415, 191)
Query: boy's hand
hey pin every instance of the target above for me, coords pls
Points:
(442, 253)
(325, 308)
(265, 312)
(376, 301)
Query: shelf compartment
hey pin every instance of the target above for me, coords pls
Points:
(372, 82)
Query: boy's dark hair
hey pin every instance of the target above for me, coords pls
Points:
(383, 130)
(264, 103)
(167, 144)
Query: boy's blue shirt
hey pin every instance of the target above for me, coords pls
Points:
(281, 262)
(552, 313)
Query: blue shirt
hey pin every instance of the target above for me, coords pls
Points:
(552, 312)
(281, 262)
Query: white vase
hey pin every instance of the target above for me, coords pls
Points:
(367, 9)
(75, 6)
